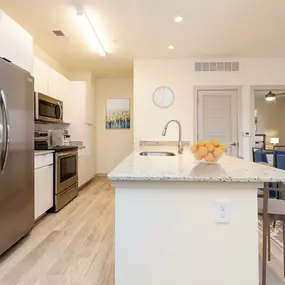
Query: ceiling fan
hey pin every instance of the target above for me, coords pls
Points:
(272, 96)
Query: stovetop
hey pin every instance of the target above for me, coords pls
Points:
(57, 148)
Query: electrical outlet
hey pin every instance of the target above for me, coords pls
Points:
(223, 213)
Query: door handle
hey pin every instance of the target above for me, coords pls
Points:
(233, 144)
(7, 135)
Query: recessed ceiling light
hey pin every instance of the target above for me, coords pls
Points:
(171, 47)
(178, 19)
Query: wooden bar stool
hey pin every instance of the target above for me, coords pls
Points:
(270, 209)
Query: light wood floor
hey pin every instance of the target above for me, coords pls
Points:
(74, 246)
(275, 266)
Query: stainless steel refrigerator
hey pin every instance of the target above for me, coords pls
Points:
(16, 154)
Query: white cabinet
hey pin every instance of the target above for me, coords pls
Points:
(82, 178)
(42, 74)
(77, 106)
(90, 102)
(43, 183)
(90, 145)
(16, 44)
(82, 167)
(54, 84)
(86, 166)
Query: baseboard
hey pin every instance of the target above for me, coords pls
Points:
(101, 174)
(98, 175)
(87, 183)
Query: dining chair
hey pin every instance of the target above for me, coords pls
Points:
(270, 209)
(259, 155)
(277, 150)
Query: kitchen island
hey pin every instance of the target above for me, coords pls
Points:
(169, 228)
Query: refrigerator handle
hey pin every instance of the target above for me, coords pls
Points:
(1, 133)
(7, 137)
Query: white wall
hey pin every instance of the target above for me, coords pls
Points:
(112, 145)
(40, 54)
(180, 76)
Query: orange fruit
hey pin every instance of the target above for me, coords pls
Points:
(214, 142)
(202, 151)
(223, 147)
(201, 143)
(198, 156)
(194, 148)
(210, 147)
(209, 157)
(218, 152)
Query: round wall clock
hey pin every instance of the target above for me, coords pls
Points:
(163, 97)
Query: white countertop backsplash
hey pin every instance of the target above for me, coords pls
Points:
(186, 168)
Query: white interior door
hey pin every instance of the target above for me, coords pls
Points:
(218, 117)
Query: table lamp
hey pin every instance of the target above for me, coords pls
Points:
(274, 141)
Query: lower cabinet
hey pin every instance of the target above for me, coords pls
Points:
(43, 187)
(82, 168)
(85, 167)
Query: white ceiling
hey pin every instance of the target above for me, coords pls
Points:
(144, 28)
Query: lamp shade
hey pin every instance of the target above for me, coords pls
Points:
(270, 96)
(274, 140)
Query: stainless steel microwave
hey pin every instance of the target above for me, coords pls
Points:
(48, 109)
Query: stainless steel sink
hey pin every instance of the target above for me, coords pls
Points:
(157, 153)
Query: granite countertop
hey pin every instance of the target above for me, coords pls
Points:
(40, 152)
(186, 168)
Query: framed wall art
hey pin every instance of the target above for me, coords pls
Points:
(118, 114)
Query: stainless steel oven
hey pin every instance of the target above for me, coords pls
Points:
(66, 177)
(48, 109)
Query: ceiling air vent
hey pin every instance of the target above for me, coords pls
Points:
(58, 33)
(216, 66)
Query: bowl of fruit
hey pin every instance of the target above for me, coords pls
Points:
(208, 151)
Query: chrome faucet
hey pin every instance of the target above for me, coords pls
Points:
(180, 147)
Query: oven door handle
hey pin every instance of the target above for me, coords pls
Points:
(67, 154)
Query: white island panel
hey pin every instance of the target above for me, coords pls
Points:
(166, 234)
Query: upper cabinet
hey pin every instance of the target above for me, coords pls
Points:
(52, 83)
(16, 44)
(59, 88)
(90, 101)
(57, 85)
(42, 74)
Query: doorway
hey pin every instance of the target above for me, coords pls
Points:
(217, 116)
(267, 118)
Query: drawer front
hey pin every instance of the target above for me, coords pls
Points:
(43, 160)
(65, 196)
